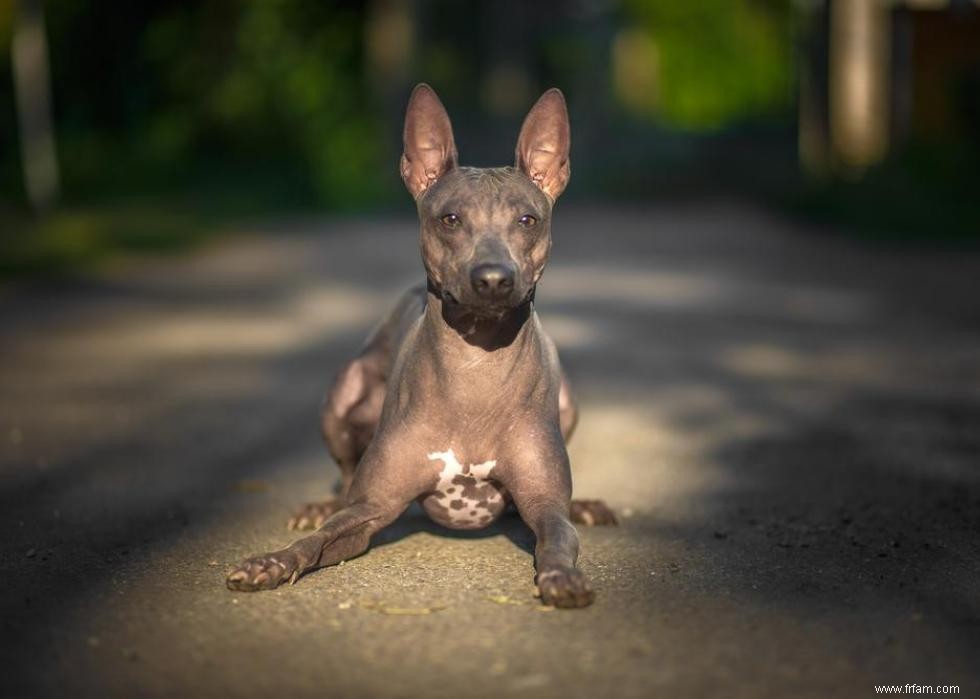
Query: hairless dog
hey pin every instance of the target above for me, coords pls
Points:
(457, 399)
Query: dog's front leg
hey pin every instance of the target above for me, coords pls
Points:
(542, 489)
(345, 535)
(561, 584)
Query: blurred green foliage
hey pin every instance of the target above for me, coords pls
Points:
(175, 115)
(174, 95)
(179, 96)
(77, 238)
(924, 193)
(718, 61)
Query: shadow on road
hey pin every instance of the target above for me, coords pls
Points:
(788, 425)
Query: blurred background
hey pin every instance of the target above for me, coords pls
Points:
(145, 125)
(763, 288)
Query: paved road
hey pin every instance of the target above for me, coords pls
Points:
(788, 424)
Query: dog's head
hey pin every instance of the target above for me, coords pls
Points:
(485, 232)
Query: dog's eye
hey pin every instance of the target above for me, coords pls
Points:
(527, 220)
(450, 220)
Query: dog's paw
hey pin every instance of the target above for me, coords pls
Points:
(265, 572)
(312, 515)
(566, 588)
(592, 513)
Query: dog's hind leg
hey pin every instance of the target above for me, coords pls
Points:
(591, 513)
(567, 409)
(348, 418)
(352, 407)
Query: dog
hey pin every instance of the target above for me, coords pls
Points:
(457, 399)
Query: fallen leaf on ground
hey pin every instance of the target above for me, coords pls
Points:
(382, 608)
(251, 486)
(504, 599)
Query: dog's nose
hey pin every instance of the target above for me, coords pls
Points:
(492, 281)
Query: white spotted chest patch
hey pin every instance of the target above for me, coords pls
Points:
(464, 497)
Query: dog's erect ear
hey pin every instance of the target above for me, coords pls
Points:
(544, 143)
(429, 149)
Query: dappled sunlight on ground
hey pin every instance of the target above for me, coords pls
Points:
(788, 434)
(293, 323)
(648, 287)
(635, 459)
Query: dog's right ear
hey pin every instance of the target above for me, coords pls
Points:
(542, 147)
(429, 148)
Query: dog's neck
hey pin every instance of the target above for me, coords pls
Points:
(474, 338)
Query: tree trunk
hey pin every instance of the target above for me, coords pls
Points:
(32, 85)
(859, 82)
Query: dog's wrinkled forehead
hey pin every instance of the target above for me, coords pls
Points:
(485, 191)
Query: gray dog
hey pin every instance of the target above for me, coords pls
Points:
(457, 399)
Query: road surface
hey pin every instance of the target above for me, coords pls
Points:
(788, 424)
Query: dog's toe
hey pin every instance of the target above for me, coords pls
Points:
(312, 515)
(264, 572)
(565, 588)
(592, 513)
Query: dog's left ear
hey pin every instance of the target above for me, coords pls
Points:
(544, 143)
(429, 147)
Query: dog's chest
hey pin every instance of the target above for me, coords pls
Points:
(465, 496)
